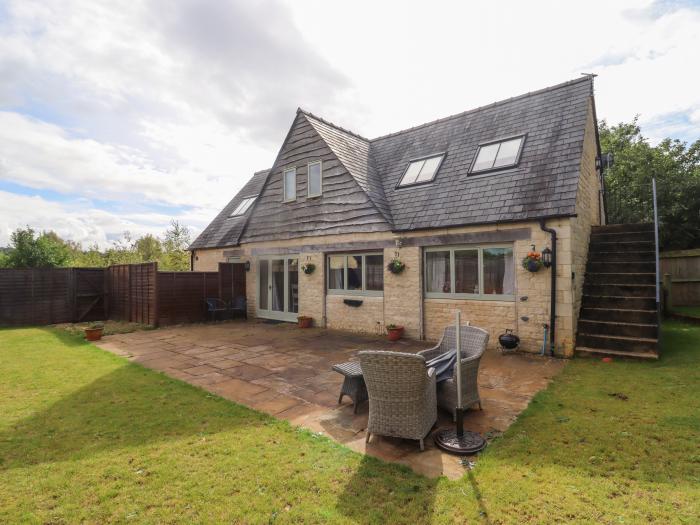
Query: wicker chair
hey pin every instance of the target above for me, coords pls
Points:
(474, 341)
(402, 400)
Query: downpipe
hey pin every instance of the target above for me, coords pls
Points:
(553, 288)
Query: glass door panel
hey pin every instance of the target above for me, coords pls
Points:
(293, 285)
(277, 273)
(263, 288)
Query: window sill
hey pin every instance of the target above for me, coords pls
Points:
(354, 293)
(470, 297)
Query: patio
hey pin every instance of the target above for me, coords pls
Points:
(286, 372)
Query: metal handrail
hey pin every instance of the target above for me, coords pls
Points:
(658, 268)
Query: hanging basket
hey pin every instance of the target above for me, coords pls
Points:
(396, 266)
(308, 268)
(532, 262)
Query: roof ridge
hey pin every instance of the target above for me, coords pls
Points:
(329, 123)
(486, 106)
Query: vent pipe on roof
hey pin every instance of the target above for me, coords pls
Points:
(553, 287)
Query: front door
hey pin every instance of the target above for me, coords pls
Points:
(278, 287)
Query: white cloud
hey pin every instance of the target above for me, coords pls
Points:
(148, 103)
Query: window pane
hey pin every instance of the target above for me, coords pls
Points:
(499, 274)
(508, 153)
(467, 271)
(374, 270)
(336, 272)
(354, 272)
(485, 157)
(437, 272)
(290, 185)
(243, 206)
(314, 179)
(293, 292)
(429, 168)
(412, 172)
(263, 267)
(277, 278)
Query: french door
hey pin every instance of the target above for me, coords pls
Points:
(278, 287)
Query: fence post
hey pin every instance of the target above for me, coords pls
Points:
(668, 293)
(156, 302)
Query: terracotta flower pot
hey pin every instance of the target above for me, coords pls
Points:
(93, 334)
(304, 321)
(395, 333)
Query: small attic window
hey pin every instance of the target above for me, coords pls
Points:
(421, 171)
(243, 207)
(496, 155)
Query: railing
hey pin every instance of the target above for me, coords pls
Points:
(628, 200)
(658, 264)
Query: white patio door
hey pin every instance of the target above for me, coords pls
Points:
(278, 287)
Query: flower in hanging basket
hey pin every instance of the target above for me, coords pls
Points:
(396, 266)
(308, 268)
(532, 262)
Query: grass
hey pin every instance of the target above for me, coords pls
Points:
(88, 437)
(693, 311)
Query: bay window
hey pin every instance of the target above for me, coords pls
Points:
(356, 273)
(470, 272)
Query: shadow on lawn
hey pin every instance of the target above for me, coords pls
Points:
(125, 407)
(380, 492)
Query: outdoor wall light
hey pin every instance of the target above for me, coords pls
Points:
(247, 266)
(547, 258)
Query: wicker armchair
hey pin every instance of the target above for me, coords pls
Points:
(402, 400)
(474, 341)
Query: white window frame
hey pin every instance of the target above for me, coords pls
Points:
(345, 291)
(250, 200)
(522, 138)
(400, 184)
(284, 184)
(453, 295)
(308, 179)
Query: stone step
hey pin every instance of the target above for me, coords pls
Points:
(582, 351)
(616, 342)
(645, 236)
(597, 327)
(617, 228)
(620, 290)
(621, 267)
(616, 302)
(623, 246)
(620, 278)
(619, 315)
(617, 256)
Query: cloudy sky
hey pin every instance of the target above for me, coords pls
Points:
(120, 116)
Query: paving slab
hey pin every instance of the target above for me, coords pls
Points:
(285, 371)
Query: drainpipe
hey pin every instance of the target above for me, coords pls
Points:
(192, 261)
(553, 287)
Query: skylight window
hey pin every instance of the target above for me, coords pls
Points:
(243, 206)
(501, 154)
(422, 170)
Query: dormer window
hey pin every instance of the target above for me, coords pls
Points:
(421, 171)
(497, 155)
(243, 207)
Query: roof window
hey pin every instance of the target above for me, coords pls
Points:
(496, 155)
(420, 171)
(243, 207)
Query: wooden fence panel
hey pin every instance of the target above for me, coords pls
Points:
(35, 296)
(182, 295)
(684, 269)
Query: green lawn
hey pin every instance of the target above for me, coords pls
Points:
(688, 310)
(88, 437)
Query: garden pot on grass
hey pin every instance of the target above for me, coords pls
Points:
(94, 333)
(394, 332)
(304, 321)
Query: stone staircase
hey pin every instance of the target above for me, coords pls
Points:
(618, 313)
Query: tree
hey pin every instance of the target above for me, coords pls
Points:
(176, 240)
(676, 167)
(148, 248)
(27, 250)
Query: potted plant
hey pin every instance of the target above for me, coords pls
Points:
(396, 266)
(308, 268)
(532, 262)
(94, 332)
(304, 321)
(395, 332)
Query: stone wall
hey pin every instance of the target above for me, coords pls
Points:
(402, 302)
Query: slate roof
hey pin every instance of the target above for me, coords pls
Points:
(225, 230)
(543, 184)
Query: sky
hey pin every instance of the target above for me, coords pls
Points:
(122, 115)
